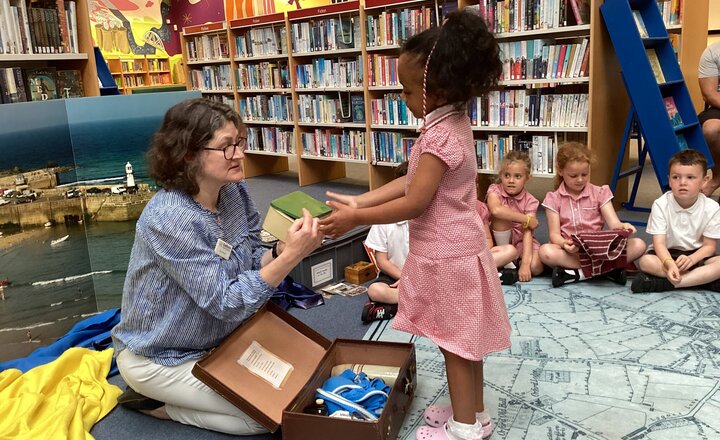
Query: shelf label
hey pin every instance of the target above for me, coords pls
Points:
(218, 26)
(337, 8)
(255, 21)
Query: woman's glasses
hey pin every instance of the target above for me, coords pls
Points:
(229, 151)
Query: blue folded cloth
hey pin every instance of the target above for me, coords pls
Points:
(93, 333)
(354, 393)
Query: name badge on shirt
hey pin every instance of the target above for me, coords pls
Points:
(223, 249)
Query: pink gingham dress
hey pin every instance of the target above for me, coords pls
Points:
(525, 203)
(449, 287)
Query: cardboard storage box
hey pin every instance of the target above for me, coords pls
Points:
(360, 272)
(286, 340)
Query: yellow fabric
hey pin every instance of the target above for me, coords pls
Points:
(59, 400)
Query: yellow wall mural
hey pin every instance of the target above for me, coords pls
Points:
(130, 27)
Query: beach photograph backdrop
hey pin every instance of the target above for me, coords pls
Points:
(85, 143)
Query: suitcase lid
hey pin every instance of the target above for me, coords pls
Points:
(264, 343)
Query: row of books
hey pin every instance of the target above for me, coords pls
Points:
(40, 84)
(350, 144)
(214, 77)
(391, 109)
(326, 34)
(387, 146)
(324, 109)
(132, 66)
(330, 72)
(382, 70)
(271, 139)
(133, 81)
(524, 15)
(523, 108)
(275, 108)
(267, 75)
(541, 149)
(47, 27)
(156, 65)
(160, 78)
(541, 59)
(207, 47)
(261, 41)
(671, 11)
(394, 27)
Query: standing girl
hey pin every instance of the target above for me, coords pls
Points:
(579, 206)
(514, 212)
(449, 288)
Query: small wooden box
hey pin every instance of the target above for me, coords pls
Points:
(360, 272)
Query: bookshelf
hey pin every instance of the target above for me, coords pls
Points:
(607, 104)
(82, 59)
(137, 72)
(206, 56)
(261, 67)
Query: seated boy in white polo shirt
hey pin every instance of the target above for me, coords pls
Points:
(685, 226)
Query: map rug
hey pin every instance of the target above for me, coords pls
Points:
(591, 360)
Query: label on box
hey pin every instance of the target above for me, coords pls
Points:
(321, 272)
(265, 365)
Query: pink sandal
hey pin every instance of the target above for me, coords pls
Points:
(437, 415)
(441, 433)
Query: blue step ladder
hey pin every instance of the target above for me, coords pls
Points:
(648, 120)
(108, 86)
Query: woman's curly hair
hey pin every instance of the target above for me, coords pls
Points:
(173, 159)
(465, 61)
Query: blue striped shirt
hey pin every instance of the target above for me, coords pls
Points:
(180, 298)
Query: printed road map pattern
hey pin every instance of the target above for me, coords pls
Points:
(591, 361)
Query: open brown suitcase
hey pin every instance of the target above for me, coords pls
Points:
(312, 358)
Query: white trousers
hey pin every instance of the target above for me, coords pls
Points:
(187, 400)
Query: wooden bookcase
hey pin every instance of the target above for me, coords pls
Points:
(207, 58)
(84, 60)
(262, 74)
(608, 104)
(138, 72)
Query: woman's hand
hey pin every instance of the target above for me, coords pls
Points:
(303, 237)
(340, 221)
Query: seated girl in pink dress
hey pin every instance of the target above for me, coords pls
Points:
(578, 206)
(514, 212)
(502, 254)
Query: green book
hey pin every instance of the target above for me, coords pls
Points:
(292, 204)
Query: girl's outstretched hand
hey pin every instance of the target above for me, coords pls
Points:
(345, 199)
(341, 220)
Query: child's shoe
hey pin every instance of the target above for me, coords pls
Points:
(374, 311)
(508, 277)
(618, 276)
(561, 276)
(437, 415)
(648, 283)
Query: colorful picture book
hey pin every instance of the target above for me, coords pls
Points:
(69, 84)
(655, 65)
(672, 111)
(640, 24)
(42, 83)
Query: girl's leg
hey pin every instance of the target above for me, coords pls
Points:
(187, 400)
(461, 378)
(554, 256)
(503, 255)
(536, 266)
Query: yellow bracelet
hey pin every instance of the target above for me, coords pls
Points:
(665, 261)
(527, 222)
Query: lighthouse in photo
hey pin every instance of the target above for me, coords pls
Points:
(130, 177)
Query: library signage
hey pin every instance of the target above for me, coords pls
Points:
(218, 26)
(319, 11)
(258, 20)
